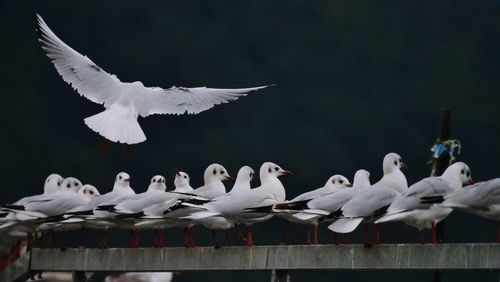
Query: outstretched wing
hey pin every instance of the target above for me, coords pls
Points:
(80, 72)
(92, 82)
(180, 100)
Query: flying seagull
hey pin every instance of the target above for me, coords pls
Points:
(125, 101)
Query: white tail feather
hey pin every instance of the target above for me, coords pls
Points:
(305, 216)
(201, 215)
(117, 124)
(392, 217)
(345, 225)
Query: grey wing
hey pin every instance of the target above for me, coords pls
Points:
(415, 196)
(368, 202)
(57, 206)
(180, 100)
(478, 196)
(332, 202)
(85, 76)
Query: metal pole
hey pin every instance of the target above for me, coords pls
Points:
(439, 165)
(79, 276)
(280, 276)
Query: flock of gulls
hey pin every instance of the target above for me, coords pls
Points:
(67, 204)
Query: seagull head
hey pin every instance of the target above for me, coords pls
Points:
(269, 169)
(157, 184)
(122, 180)
(181, 180)
(52, 184)
(338, 181)
(216, 172)
(245, 174)
(458, 174)
(361, 179)
(70, 184)
(89, 192)
(392, 162)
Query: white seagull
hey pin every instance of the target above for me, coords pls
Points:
(419, 206)
(125, 101)
(288, 209)
(374, 201)
(241, 207)
(482, 199)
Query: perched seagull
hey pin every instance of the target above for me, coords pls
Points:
(241, 207)
(213, 176)
(482, 199)
(243, 179)
(51, 186)
(92, 217)
(124, 101)
(286, 210)
(373, 202)
(181, 182)
(419, 205)
(41, 207)
(329, 206)
(213, 187)
(241, 184)
(152, 215)
(136, 203)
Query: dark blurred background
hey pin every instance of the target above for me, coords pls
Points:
(355, 80)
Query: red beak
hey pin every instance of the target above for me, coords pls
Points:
(403, 165)
(177, 173)
(230, 178)
(127, 180)
(471, 182)
(286, 172)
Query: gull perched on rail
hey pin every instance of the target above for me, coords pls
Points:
(125, 101)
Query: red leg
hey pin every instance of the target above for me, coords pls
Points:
(160, 238)
(283, 234)
(156, 238)
(422, 239)
(377, 239)
(250, 243)
(335, 241)
(105, 145)
(63, 235)
(346, 239)
(186, 243)
(128, 150)
(215, 240)
(82, 238)
(240, 235)
(434, 238)
(316, 234)
(131, 239)
(228, 238)
(137, 231)
(105, 239)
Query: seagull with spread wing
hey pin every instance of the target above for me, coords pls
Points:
(125, 101)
